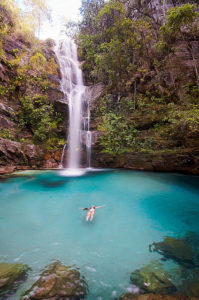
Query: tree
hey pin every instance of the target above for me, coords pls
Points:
(111, 50)
(39, 11)
(89, 11)
(21, 25)
(182, 21)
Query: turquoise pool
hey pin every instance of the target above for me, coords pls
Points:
(41, 222)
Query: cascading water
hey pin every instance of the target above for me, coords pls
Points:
(74, 93)
(87, 134)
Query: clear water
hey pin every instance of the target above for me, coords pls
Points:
(41, 222)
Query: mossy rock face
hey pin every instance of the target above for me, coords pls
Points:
(176, 249)
(11, 275)
(58, 282)
(153, 279)
(130, 296)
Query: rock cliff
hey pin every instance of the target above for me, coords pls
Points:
(32, 111)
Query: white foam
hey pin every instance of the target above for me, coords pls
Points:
(91, 269)
(72, 172)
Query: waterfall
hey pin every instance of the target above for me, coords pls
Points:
(74, 93)
(89, 139)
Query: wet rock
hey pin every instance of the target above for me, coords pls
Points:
(6, 110)
(94, 92)
(14, 153)
(56, 97)
(176, 249)
(6, 170)
(11, 275)
(153, 279)
(61, 106)
(52, 159)
(130, 296)
(6, 123)
(33, 154)
(53, 79)
(185, 160)
(58, 282)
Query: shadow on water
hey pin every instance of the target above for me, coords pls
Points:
(53, 179)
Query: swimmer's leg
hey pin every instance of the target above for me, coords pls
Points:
(87, 216)
(91, 217)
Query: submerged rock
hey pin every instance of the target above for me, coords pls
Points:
(153, 279)
(130, 296)
(190, 284)
(176, 249)
(11, 275)
(58, 282)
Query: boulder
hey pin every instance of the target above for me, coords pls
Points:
(176, 249)
(153, 279)
(15, 153)
(58, 282)
(11, 275)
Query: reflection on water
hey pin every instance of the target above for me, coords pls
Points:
(41, 222)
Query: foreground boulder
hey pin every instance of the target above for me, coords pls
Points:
(11, 275)
(58, 282)
(153, 279)
(130, 296)
(176, 249)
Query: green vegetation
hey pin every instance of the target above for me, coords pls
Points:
(6, 134)
(38, 61)
(24, 73)
(38, 116)
(118, 135)
(151, 92)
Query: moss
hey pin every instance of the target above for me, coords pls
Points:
(6, 134)
(58, 282)
(153, 279)
(10, 276)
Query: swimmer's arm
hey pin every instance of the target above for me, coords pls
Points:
(100, 206)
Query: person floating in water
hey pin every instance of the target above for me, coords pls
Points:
(91, 211)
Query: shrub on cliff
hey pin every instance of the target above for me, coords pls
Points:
(38, 61)
(38, 115)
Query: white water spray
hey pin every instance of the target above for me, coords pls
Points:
(74, 92)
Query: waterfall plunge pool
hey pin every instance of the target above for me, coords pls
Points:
(41, 222)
